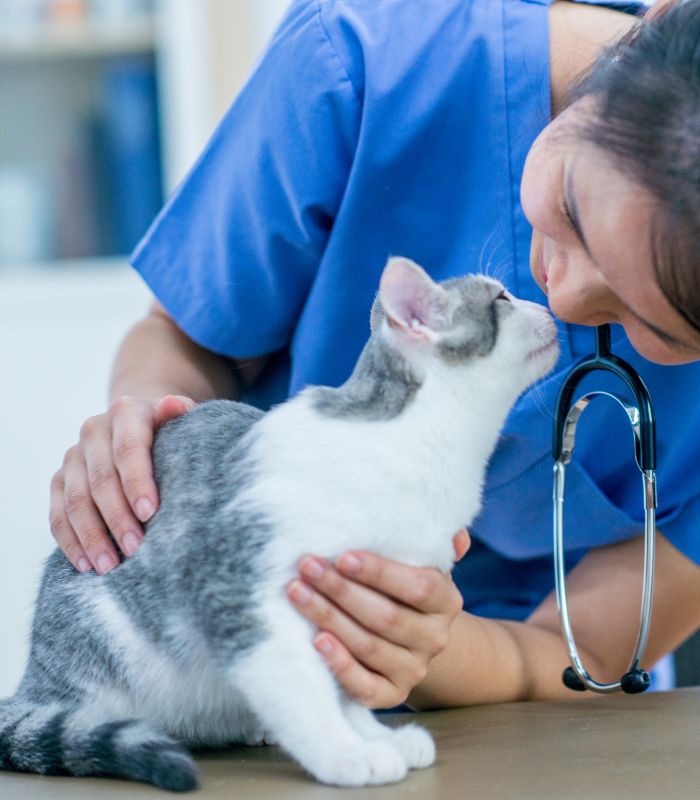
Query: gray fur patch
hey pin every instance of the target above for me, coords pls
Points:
(380, 387)
(208, 578)
(197, 563)
(68, 649)
(474, 321)
(12, 714)
(48, 746)
(382, 384)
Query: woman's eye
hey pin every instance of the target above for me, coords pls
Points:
(567, 216)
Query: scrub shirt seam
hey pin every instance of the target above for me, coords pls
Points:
(331, 44)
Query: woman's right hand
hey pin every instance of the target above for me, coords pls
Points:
(105, 484)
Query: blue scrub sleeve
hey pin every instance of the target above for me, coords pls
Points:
(629, 6)
(682, 529)
(233, 254)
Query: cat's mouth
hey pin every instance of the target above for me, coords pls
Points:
(545, 348)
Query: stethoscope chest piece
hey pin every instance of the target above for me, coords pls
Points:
(641, 417)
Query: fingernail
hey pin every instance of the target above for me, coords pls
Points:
(84, 565)
(324, 645)
(299, 592)
(144, 509)
(311, 567)
(105, 563)
(462, 543)
(131, 543)
(349, 562)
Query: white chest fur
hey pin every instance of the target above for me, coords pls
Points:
(400, 487)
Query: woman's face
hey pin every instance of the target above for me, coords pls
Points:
(592, 245)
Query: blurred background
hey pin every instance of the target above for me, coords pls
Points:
(105, 105)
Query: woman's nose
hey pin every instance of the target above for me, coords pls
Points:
(578, 292)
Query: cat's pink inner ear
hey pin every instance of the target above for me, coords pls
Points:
(410, 298)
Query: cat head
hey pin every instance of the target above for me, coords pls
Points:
(471, 323)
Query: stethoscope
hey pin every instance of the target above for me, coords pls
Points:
(641, 417)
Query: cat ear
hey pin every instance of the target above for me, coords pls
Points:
(376, 315)
(411, 300)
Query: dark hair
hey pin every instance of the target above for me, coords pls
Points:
(647, 93)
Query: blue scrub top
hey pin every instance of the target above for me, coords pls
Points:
(377, 128)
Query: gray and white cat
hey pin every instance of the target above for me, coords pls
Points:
(192, 641)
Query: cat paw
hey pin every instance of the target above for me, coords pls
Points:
(254, 738)
(370, 764)
(416, 746)
(171, 769)
(258, 738)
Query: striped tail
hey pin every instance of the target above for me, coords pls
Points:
(54, 740)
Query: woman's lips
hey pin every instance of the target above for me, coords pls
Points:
(543, 271)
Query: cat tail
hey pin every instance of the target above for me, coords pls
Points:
(54, 739)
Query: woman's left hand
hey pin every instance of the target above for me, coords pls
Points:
(380, 622)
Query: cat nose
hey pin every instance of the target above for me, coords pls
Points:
(536, 307)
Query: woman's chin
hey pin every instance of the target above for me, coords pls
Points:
(566, 312)
(575, 315)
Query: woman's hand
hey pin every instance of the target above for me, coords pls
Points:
(380, 622)
(105, 485)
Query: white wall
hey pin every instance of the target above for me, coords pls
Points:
(266, 14)
(58, 333)
(60, 327)
(206, 51)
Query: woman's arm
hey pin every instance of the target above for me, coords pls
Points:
(524, 661)
(485, 660)
(156, 358)
(578, 32)
(106, 480)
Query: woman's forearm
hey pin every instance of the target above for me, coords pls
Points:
(495, 661)
(489, 661)
(156, 359)
(392, 633)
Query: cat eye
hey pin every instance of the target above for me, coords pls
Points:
(503, 296)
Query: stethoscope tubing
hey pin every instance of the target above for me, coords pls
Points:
(560, 584)
(641, 418)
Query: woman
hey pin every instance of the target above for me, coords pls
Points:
(369, 129)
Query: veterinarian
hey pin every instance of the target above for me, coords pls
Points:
(411, 128)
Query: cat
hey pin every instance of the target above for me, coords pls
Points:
(192, 641)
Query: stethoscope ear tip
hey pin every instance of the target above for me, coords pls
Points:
(572, 681)
(635, 681)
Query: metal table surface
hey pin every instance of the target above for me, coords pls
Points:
(614, 747)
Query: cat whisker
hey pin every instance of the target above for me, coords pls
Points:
(487, 242)
(538, 398)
